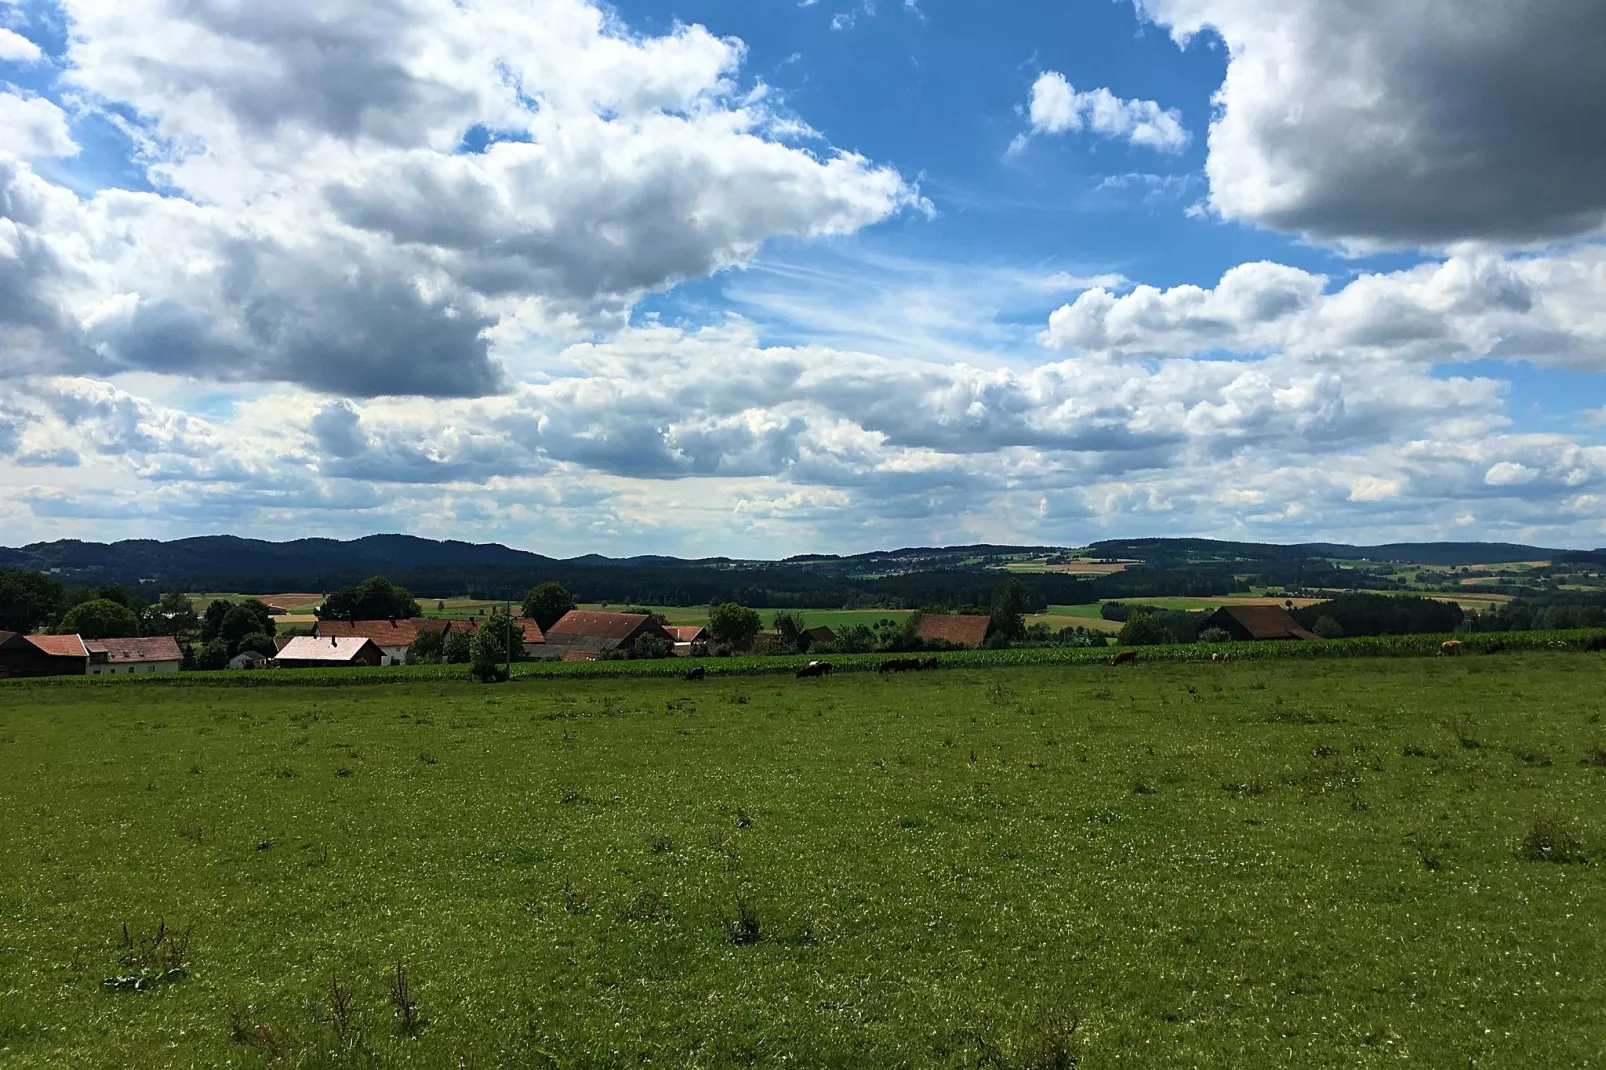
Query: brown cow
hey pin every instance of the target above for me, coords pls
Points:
(1216, 656)
(1125, 657)
(1449, 648)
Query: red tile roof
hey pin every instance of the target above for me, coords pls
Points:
(383, 632)
(579, 655)
(687, 635)
(598, 625)
(60, 646)
(127, 651)
(961, 631)
(312, 648)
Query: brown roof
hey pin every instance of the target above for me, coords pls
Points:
(281, 641)
(1265, 622)
(126, 651)
(961, 631)
(579, 655)
(383, 632)
(532, 630)
(314, 648)
(687, 635)
(822, 634)
(598, 625)
(60, 646)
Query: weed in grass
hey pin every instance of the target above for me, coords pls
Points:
(739, 699)
(1528, 756)
(743, 927)
(191, 833)
(661, 844)
(343, 773)
(257, 1036)
(402, 1003)
(575, 901)
(340, 1012)
(196, 770)
(286, 774)
(1550, 839)
(1461, 729)
(150, 960)
(743, 820)
(1415, 750)
(647, 906)
(1049, 1045)
(428, 759)
(1429, 851)
(1249, 788)
(1595, 756)
(1144, 788)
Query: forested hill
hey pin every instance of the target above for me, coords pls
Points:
(911, 577)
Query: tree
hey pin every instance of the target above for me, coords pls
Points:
(485, 657)
(429, 648)
(508, 636)
(734, 624)
(174, 614)
(29, 600)
(261, 642)
(250, 617)
(214, 655)
(652, 615)
(1328, 628)
(457, 648)
(789, 629)
(1141, 629)
(100, 619)
(375, 598)
(1009, 610)
(547, 603)
(212, 622)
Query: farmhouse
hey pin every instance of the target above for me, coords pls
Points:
(250, 659)
(1257, 622)
(581, 631)
(689, 641)
(951, 628)
(311, 652)
(393, 636)
(534, 639)
(814, 636)
(118, 657)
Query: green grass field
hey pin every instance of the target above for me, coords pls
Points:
(1309, 863)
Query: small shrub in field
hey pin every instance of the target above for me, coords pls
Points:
(574, 900)
(661, 844)
(1461, 729)
(402, 1003)
(1529, 756)
(647, 906)
(743, 928)
(1550, 839)
(1144, 788)
(258, 1037)
(1049, 1045)
(1596, 755)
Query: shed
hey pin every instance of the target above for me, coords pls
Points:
(955, 629)
(311, 652)
(119, 657)
(1257, 622)
(250, 659)
(811, 636)
(42, 655)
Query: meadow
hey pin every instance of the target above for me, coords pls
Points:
(1339, 862)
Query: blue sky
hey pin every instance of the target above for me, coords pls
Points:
(764, 277)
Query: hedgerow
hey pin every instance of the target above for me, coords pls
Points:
(1404, 646)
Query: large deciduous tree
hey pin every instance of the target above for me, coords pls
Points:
(28, 600)
(100, 618)
(375, 598)
(734, 624)
(547, 603)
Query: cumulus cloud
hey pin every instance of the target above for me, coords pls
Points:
(15, 48)
(1387, 123)
(1537, 309)
(365, 199)
(33, 126)
(1057, 108)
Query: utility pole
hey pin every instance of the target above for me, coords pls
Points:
(510, 638)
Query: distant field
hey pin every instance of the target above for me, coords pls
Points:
(1090, 568)
(297, 603)
(1307, 863)
(695, 616)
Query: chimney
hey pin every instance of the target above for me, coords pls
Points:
(333, 641)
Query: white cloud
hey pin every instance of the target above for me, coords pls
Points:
(1388, 123)
(1538, 309)
(333, 233)
(33, 127)
(15, 48)
(1057, 107)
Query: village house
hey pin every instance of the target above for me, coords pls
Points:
(967, 631)
(250, 659)
(585, 632)
(312, 652)
(812, 637)
(119, 657)
(534, 640)
(689, 641)
(392, 636)
(1257, 622)
(42, 655)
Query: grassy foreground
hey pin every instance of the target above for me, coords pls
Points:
(1310, 863)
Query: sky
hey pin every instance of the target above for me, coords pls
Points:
(765, 277)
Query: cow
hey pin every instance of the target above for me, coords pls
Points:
(1595, 644)
(928, 664)
(1494, 648)
(1449, 648)
(1125, 657)
(813, 669)
(1216, 657)
(900, 665)
(696, 672)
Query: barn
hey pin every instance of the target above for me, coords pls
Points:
(42, 655)
(311, 652)
(1257, 622)
(582, 631)
(393, 636)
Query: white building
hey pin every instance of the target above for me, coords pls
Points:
(124, 657)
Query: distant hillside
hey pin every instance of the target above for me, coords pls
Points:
(1406, 553)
